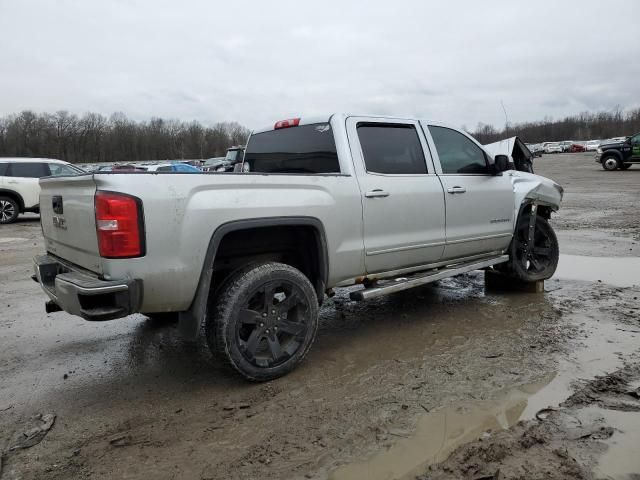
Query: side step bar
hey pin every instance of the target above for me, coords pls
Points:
(415, 280)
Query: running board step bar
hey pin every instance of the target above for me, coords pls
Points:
(404, 283)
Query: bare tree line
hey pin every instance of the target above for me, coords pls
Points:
(584, 126)
(95, 138)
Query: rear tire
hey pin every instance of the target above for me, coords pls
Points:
(9, 210)
(543, 258)
(264, 320)
(610, 163)
(625, 166)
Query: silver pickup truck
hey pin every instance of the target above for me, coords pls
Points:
(383, 203)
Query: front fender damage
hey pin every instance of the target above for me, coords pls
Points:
(530, 188)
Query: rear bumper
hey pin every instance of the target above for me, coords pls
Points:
(80, 293)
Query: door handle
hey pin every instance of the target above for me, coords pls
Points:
(456, 190)
(376, 193)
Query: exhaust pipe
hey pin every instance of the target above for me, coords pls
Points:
(51, 307)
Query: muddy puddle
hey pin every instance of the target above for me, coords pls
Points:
(602, 348)
(439, 433)
(618, 271)
(620, 461)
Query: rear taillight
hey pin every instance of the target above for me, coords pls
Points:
(119, 225)
(291, 122)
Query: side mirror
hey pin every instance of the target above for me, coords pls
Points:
(501, 164)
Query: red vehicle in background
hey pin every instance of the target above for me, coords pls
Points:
(575, 148)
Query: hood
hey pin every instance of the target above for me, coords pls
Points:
(605, 146)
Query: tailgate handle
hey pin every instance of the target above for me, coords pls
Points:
(56, 203)
(376, 193)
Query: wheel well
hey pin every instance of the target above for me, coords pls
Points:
(543, 210)
(611, 153)
(301, 246)
(15, 196)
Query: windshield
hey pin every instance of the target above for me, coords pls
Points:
(232, 155)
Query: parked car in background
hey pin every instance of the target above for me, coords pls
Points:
(535, 148)
(592, 145)
(553, 147)
(227, 163)
(576, 148)
(566, 145)
(171, 167)
(19, 187)
(619, 155)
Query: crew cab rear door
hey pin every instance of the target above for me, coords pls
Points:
(480, 205)
(402, 198)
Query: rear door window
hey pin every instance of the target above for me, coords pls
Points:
(304, 149)
(3, 169)
(458, 154)
(391, 148)
(59, 170)
(28, 170)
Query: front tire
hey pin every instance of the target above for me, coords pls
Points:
(264, 321)
(542, 260)
(9, 210)
(610, 163)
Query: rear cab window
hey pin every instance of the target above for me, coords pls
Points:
(3, 169)
(304, 149)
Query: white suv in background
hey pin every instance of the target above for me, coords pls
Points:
(19, 188)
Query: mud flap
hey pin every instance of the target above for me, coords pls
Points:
(190, 322)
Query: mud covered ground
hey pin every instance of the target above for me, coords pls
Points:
(392, 388)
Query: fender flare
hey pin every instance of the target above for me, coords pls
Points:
(15, 194)
(191, 319)
(611, 153)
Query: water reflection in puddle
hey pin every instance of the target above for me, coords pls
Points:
(618, 271)
(439, 433)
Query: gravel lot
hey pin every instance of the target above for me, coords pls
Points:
(391, 388)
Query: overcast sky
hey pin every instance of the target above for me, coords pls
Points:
(259, 61)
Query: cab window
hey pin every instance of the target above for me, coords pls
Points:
(306, 149)
(59, 170)
(458, 154)
(28, 170)
(391, 148)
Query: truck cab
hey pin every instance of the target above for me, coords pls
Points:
(619, 155)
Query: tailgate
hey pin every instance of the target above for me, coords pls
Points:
(68, 220)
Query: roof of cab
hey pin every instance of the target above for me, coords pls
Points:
(327, 118)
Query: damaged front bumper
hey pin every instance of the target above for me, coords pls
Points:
(81, 293)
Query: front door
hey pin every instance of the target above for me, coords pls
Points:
(402, 198)
(635, 147)
(480, 214)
